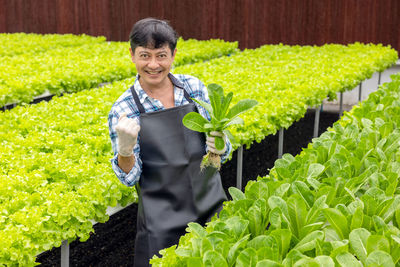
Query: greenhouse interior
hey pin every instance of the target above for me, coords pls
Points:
(260, 133)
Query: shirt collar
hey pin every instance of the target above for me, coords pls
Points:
(142, 94)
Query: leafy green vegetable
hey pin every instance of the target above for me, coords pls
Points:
(286, 80)
(346, 259)
(379, 258)
(330, 205)
(221, 118)
(55, 176)
(33, 64)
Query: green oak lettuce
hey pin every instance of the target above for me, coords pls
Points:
(287, 80)
(66, 64)
(58, 152)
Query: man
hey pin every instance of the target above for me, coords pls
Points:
(155, 152)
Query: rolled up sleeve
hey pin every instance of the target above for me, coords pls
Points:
(131, 178)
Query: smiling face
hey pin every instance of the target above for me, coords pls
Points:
(153, 65)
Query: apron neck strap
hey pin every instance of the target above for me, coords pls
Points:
(187, 96)
(137, 101)
(140, 106)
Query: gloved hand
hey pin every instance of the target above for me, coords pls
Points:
(127, 130)
(210, 141)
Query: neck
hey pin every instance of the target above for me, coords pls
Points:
(157, 90)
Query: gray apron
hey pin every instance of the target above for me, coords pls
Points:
(172, 190)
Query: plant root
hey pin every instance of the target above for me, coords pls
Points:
(212, 160)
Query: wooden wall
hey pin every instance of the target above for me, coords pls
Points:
(251, 22)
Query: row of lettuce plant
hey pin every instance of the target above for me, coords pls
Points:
(337, 203)
(297, 77)
(55, 158)
(55, 175)
(67, 69)
(12, 44)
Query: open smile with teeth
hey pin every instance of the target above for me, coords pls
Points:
(154, 72)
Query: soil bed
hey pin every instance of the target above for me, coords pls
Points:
(112, 244)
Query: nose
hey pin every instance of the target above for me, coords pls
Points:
(153, 63)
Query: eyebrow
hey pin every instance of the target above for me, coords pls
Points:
(158, 53)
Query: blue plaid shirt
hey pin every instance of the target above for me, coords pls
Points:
(125, 103)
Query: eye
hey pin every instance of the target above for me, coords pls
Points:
(162, 55)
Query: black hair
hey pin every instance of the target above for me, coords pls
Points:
(152, 33)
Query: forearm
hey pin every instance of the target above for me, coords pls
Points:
(130, 175)
(126, 163)
(123, 132)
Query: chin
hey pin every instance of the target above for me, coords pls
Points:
(157, 79)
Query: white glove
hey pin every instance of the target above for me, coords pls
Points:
(127, 131)
(211, 142)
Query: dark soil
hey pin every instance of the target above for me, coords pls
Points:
(112, 244)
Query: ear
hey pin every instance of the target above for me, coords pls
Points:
(132, 55)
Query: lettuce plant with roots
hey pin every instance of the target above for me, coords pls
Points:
(221, 118)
